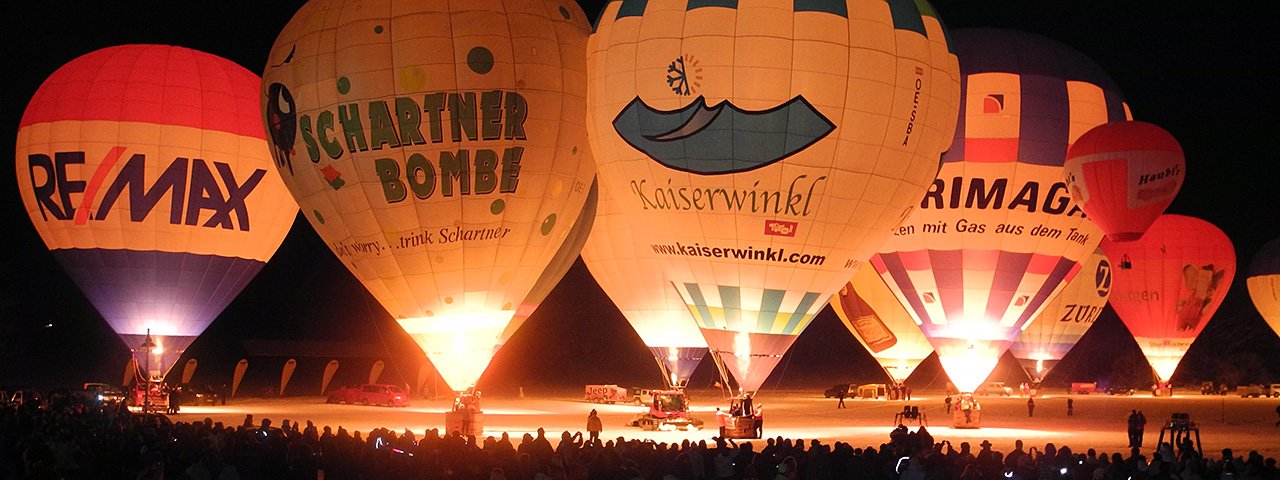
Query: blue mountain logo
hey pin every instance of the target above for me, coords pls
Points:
(721, 139)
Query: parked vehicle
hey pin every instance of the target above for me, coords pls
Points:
(837, 390)
(994, 388)
(873, 390)
(1083, 388)
(1259, 390)
(606, 394)
(200, 395)
(370, 394)
(101, 393)
(1123, 391)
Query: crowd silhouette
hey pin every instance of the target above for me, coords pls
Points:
(76, 441)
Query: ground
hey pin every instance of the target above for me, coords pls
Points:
(1241, 424)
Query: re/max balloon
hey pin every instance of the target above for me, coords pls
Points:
(146, 171)
(881, 324)
(996, 234)
(1123, 175)
(439, 149)
(1168, 284)
(1264, 283)
(627, 270)
(763, 151)
(1045, 340)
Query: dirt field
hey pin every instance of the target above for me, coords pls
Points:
(1099, 421)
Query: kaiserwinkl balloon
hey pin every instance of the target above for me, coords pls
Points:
(1045, 340)
(146, 172)
(1124, 175)
(996, 234)
(1264, 283)
(762, 151)
(439, 150)
(1168, 284)
(628, 272)
(880, 323)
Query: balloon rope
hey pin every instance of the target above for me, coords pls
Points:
(382, 340)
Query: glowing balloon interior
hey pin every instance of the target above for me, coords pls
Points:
(1168, 284)
(762, 180)
(146, 172)
(881, 324)
(439, 149)
(1264, 283)
(1045, 340)
(996, 234)
(628, 272)
(1124, 175)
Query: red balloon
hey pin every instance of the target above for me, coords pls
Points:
(1168, 284)
(1124, 175)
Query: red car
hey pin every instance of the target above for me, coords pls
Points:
(371, 394)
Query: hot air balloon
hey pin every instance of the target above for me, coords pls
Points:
(881, 324)
(560, 264)
(1123, 175)
(1168, 284)
(627, 270)
(762, 152)
(1264, 283)
(997, 234)
(439, 150)
(146, 171)
(1045, 340)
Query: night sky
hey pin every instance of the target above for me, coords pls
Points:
(1204, 73)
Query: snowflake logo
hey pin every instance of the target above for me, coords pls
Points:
(683, 76)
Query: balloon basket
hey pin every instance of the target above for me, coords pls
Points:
(465, 422)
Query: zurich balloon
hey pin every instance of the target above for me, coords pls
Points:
(763, 151)
(1048, 338)
(996, 235)
(1264, 283)
(1124, 175)
(146, 171)
(628, 272)
(881, 324)
(439, 150)
(1168, 284)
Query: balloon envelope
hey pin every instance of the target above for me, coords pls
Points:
(1055, 331)
(761, 181)
(439, 150)
(1264, 283)
(1169, 283)
(881, 324)
(1124, 175)
(628, 271)
(146, 171)
(996, 235)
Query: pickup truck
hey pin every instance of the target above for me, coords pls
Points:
(370, 394)
(1258, 390)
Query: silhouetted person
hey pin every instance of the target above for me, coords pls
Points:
(1031, 407)
(840, 399)
(947, 402)
(1071, 407)
(594, 427)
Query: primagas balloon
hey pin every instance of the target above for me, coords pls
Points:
(1124, 175)
(1264, 283)
(996, 234)
(881, 324)
(763, 151)
(146, 171)
(1169, 283)
(628, 272)
(1063, 322)
(439, 150)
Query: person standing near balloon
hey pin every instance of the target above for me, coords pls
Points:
(594, 427)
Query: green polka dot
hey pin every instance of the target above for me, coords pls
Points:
(497, 206)
(548, 224)
(377, 29)
(480, 60)
(319, 217)
(564, 12)
(344, 85)
(575, 150)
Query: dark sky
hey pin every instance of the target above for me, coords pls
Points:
(1205, 73)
